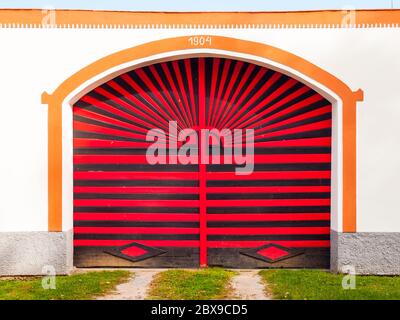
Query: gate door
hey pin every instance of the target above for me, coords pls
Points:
(131, 212)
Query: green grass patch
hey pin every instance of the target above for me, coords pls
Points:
(75, 287)
(323, 285)
(203, 284)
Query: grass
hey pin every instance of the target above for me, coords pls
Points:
(75, 287)
(204, 284)
(321, 285)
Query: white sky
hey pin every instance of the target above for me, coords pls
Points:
(201, 5)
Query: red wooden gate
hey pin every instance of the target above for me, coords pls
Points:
(128, 212)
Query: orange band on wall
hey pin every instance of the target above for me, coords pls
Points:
(180, 19)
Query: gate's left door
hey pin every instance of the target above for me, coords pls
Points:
(126, 211)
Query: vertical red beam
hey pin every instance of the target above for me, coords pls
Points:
(202, 166)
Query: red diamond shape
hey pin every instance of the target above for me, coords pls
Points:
(273, 253)
(133, 251)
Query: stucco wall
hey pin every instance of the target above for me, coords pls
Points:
(37, 60)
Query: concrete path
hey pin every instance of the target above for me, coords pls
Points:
(248, 285)
(136, 288)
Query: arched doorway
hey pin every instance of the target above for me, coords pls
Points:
(128, 212)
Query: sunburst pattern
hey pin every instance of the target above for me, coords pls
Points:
(119, 198)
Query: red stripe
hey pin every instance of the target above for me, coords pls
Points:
(261, 231)
(108, 120)
(260, 175)
(134, 230)
(267, 203)
(135, 203)
(98, 143)
(327, 124)
(136, 217)
(151, 117)
(133, 190)
(202, 170)
(312, 142)
(252, 244)
(113, 159)
(104, 130)
(189, 77)
(269, 217)
(258, 158)
(268, 189)
(128, 175)
(151, 243)
(275, 158)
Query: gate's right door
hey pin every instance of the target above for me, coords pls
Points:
(279, 215)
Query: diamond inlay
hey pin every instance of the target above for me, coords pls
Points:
(134, 251)
(273, 253)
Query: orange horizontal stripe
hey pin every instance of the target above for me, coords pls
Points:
(321, 17)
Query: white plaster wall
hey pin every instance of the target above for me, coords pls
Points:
(37, 60)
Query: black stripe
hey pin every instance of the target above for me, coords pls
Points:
(289, 195)
(267, 183)
(136, 196)
(256, 224)
(286, 209)
(137, 209)
(80, 236)
(144, 224)
(268, 237)
(273, 167)
(136, 167)
(134, 183)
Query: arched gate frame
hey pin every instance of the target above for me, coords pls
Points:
(343, 99)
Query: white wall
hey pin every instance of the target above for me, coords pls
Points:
(37, 60)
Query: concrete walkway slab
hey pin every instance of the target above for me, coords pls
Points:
(248, 285)
(136, 288)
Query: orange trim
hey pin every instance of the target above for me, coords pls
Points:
(175, 19)
(282, 57)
